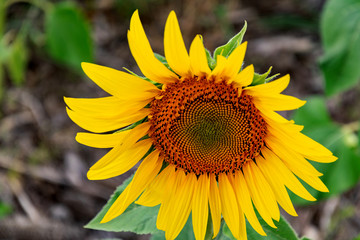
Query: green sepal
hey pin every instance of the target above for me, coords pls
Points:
(136, 218)
(210, 60)
(162, 59)
(134, 74)
(231, 45)
(263, 78)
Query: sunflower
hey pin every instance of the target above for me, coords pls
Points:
(209, 142)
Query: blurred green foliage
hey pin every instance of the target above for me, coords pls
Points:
(68, 37)
(17, 60)
(4, 210)
(340, 32)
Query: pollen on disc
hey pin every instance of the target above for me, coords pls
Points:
(203, 126)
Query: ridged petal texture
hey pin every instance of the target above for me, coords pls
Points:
(121, 122)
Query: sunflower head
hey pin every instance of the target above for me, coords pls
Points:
(208, 136)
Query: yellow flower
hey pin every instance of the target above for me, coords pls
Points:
(207, 139)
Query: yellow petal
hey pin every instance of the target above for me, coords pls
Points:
(128, 138)
(279, 170)
(270, 114)
(217, 72)
(283, 122)
(244, 200)
(100, 125)
(229, 206)
(242, 226)
(177, 179)
(277, 102)
(323, 159)
(106, 107)
(123, 163)
(144, 175)
(198, 60)
(120, 84)
(101, 140)
(174, 47)
(215, 204)
(276, 185)
(200, 209)
(141, 50)
(274, 87)
(297, 164)
(235, 61)
(299, 142)
(154, 194)
(245, 77)
(179, 213)
(261, 193)
(291, 159)
(314, 181)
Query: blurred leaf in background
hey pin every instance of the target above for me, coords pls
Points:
(4, 210)
(344, 173)
(17, 60)
(340, 32)
(68, 35)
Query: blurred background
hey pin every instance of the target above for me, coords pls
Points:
(44, 192)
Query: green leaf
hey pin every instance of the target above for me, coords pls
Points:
(17, 60)
(230, 46)
(342, 174)
(283, 231)
(340, 24)
(136, 218)
(186, 233)
(68, 35)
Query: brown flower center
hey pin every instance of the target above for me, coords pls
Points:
(205, 127)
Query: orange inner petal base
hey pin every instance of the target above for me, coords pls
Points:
(203, 126)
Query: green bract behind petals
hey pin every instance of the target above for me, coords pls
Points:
(263, 78)
(231, 45)
(211, 61)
